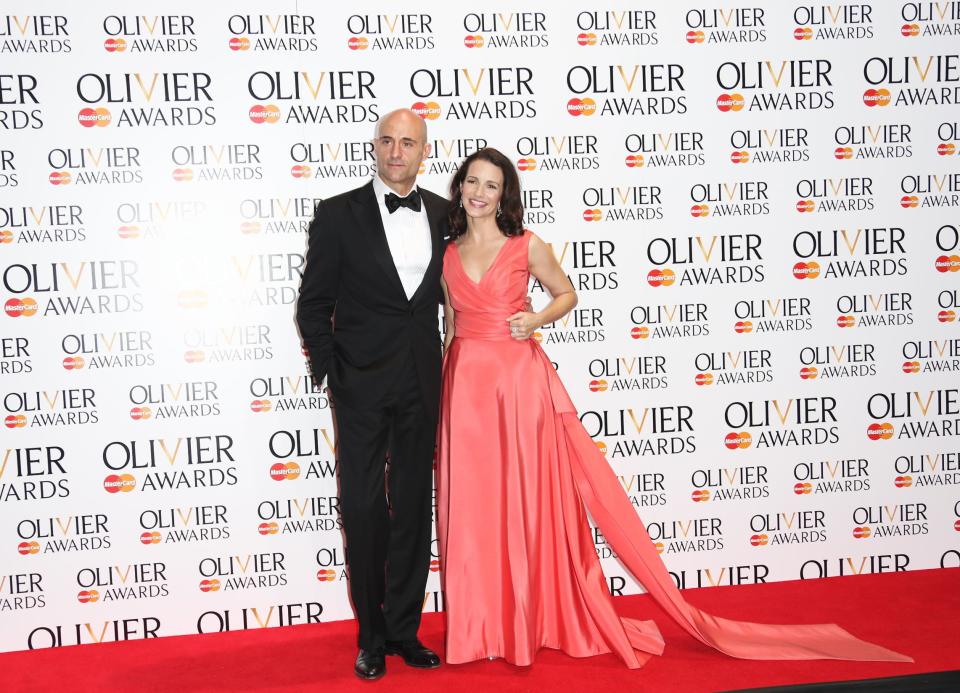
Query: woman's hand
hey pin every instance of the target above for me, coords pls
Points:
(523, 324)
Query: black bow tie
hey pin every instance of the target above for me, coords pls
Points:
(394, 201)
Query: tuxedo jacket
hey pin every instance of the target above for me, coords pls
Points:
(354, 316)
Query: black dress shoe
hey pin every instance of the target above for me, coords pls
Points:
(370, 666)
(414, 654)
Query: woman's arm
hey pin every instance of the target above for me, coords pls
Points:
(544, 266)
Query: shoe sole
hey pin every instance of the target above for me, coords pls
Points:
(368, 678)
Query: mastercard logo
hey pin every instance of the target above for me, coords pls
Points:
(584, 107)
(94, 117)
(115, 45)
(908, 201)
(358, 43)
(128, 231)
(808, 373)
(601, 446)
(117, 483)
(946, 316)
(210, 585)
(664, 277)
(88, 596)
(260, 405)
(326, 575)
(264, 114)
(194, 356)
(846, 321)
(266, 528)
(15, 421)
(700, 211)
(759, 540)
(640, 332)
(422, 169)
(956, 526)
(586, 39)
(703, 379)
(876, 97)
(284, 470)
(527, 164)
(803, 488)
(946, 263)
(239, 43)
(250, 227)
(59, 178)
(598, 386)
(435, 566)
(429, 110)
(633, 160)
(946, 149)
(695, 37)
(909, 30)
(911, 366)
(192, 299)
(6, 236)
(72, 363)
(592, 215)
(20, 307)
(803, 33)
(861, 532)
(147, 538)
(659, 547)
(743, 327)
(805, 206)
(300, 171)
(903, 481)
(738, 441)
(28, 548)
(183, 175)
(880, 431)
(473, 41)
(740, 157)
(806, 270)
(729, 102)
(140, 413)
(843, 153)
(700, 495)
(537, 337)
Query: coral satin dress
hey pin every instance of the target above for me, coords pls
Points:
(517, 473)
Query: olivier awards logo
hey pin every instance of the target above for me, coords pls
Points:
(153, 34)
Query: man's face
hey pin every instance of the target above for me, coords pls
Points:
(400, 147)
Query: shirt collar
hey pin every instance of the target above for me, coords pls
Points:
(380, 189)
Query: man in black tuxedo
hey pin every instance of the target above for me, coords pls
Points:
(367, 315)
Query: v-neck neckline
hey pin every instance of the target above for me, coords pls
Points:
(496, 257)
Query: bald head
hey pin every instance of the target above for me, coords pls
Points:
(405, 119)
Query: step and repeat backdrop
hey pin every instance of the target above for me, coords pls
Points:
(756, 201)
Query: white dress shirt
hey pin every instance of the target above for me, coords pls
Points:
(408, 235)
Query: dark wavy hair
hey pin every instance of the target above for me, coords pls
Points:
(510, 218)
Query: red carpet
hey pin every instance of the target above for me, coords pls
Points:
(915, 613)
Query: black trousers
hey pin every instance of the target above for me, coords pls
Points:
(388, 543)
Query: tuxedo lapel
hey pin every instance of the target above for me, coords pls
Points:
(367, 212)
(436, 212)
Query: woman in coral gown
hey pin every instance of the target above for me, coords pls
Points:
(517, 472)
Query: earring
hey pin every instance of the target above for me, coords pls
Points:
(499, 213)
(460, 202)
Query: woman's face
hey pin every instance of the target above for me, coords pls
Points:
(481, 189)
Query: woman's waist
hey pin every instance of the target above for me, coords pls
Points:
(483, 325)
